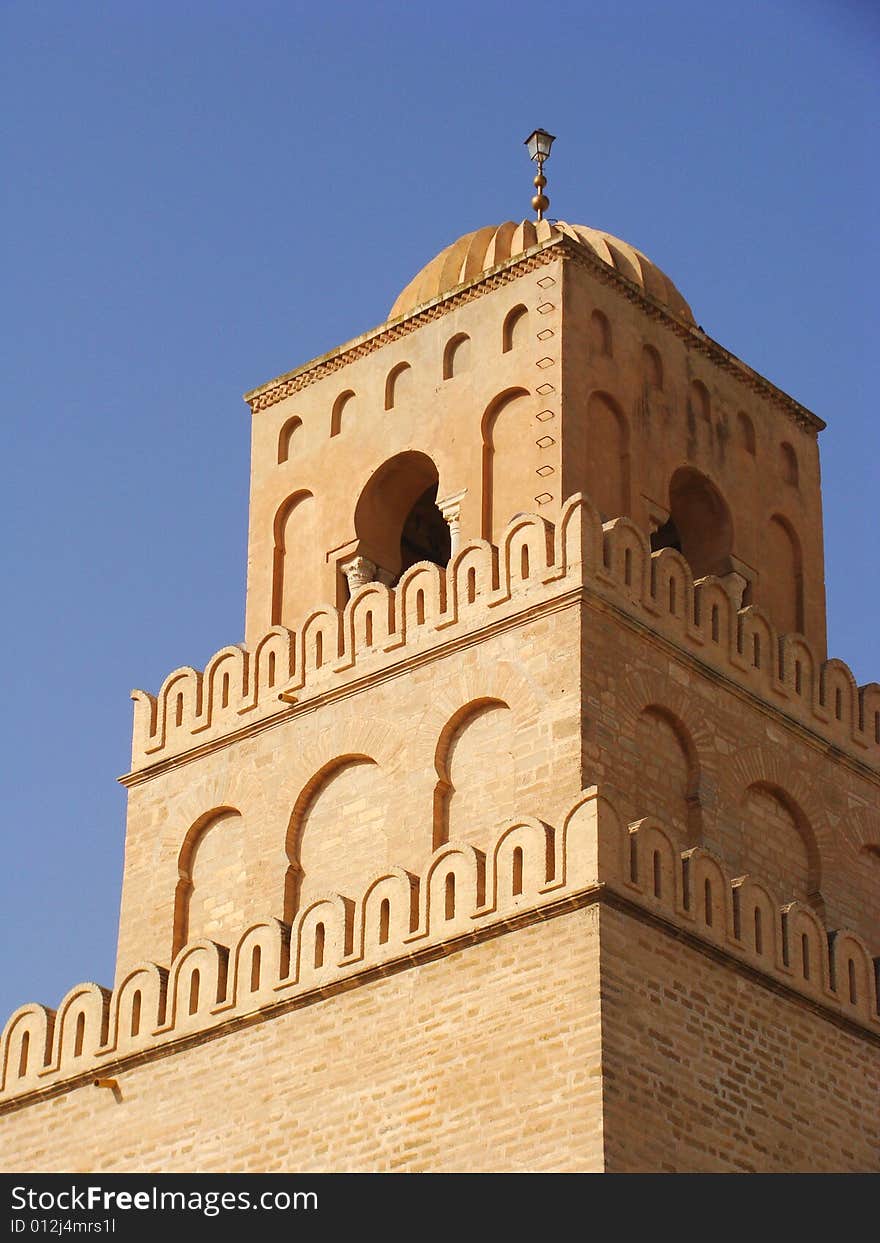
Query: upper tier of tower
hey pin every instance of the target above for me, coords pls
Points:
(526, 363)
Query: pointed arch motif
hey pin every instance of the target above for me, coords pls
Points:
(606, 472)
(456, 355)
(338, 409)
(779, 844)
(667, 751)
(782, 585)
(396, 518)
(700, 524)
(396, 382)
(601, 343)
(492, 733)
(291, 543)
(652, 368)
(508, 473)
(285, 437)
(182, 931)
(515, 329)
(356, 775)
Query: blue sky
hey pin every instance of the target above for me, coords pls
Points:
(201, 196)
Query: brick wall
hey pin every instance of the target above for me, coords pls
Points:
(487, 1059)
(707, 1070)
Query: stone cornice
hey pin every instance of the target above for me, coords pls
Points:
(267, 395)
(309, 373)
(695, 337)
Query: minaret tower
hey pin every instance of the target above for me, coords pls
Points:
(530, 826)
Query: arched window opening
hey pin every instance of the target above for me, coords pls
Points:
(699, 526)
(425, 535)
(256, 968)
(319, 946)
(759, 932)
(397, 520)
(457, 355)
(384, 921)
(79, 1038)
(666, 536)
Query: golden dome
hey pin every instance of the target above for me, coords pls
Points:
(475, 253)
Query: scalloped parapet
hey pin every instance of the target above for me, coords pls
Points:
(532, 871)
(533, 566)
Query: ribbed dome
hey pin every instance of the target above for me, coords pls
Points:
(475, 253)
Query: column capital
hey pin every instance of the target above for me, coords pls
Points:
(450, 506)
(358, 570)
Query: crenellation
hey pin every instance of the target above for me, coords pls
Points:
(483, 579)
(531, 868)
(81, 1027)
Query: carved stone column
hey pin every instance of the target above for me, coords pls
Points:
(358, 570)
(736, 585)
(450, 508)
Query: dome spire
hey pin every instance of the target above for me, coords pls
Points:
(539, 143)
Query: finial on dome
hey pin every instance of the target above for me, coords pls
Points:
(539, 143)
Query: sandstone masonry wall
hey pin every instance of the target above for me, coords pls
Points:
(705, 1071)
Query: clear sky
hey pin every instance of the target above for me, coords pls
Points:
(200, 196)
